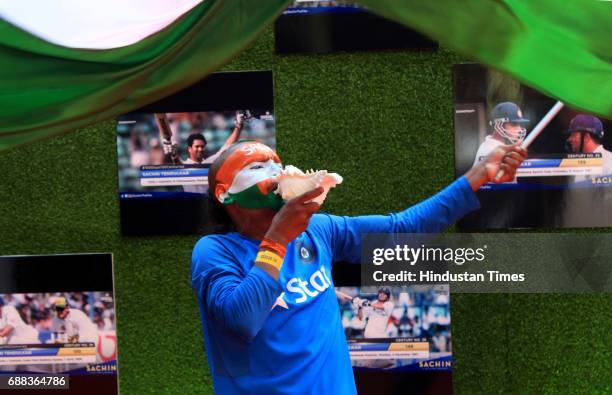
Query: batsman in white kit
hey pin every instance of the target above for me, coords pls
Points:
(13, 330)
(74, 323)
(378, 313)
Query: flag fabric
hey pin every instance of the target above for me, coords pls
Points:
(47, 89)
(94, 24)
(53, 82)
(561, 48)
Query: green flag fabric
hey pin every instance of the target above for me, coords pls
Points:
(47, 89)
(561, 48)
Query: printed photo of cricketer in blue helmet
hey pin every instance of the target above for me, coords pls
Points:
(569, 167)
(585, 135)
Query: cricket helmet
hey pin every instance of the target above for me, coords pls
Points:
(508, 112)
(586, 123)
(386, 291)
(60, 303)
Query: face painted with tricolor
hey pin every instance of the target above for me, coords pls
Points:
(246, 178)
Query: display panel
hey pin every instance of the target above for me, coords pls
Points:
(165, 150)
(328, 26)
(564, 182)
(57, 317)
(400, 344)
(399, 328)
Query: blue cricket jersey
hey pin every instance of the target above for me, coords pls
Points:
(268, 337)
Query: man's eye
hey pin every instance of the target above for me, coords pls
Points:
(256, 167)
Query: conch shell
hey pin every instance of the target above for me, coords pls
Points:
(293, 182)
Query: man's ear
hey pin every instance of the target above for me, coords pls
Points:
(591, 138)
(222, 195)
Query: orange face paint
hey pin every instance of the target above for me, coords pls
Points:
(247, 153)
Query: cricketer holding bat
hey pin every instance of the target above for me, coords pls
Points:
(269, 312)
(196, 142)
(377, 313)
(506, 122)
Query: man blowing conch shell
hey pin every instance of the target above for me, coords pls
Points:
(269, 312)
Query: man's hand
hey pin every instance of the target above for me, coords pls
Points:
(499, 166)
(292, 219)
(169, 147)
(239, 120)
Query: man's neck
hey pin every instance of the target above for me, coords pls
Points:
(593, 147)
(254, 227)
(498, 137)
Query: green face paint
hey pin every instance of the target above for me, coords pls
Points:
(252, 198)
(249, 186)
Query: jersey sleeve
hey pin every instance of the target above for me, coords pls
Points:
(343, 234)
(13, 318)
(213, 157)
(235, 299)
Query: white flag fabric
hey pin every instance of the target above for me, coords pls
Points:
(90, 24)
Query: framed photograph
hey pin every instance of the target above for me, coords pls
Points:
(164, 151)
(566, 179)
(399, 337)
(398, 328)
(328, 26)
(58, 321)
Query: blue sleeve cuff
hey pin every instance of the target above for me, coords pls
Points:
(266, 279)
(465, 192)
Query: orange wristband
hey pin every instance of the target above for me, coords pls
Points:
(271, 245)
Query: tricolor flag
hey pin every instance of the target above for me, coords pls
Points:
(66, 64)
(94, 25)
(561, 48)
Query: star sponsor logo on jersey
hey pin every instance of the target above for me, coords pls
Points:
(280, 302)
(318, 283)
(299, 291)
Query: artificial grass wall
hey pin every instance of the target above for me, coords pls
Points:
(383, 120)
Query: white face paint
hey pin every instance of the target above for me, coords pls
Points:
(254, 173)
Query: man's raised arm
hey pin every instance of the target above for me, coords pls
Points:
(432, 215)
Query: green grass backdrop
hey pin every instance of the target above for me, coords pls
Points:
(383, 120)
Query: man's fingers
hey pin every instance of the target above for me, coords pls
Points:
(516, 156)
(309, 195)
(511, 161)
(312, 207)
(516, 148)
(513, 156)
(510, 170)
(502, 172)
(506, 172)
